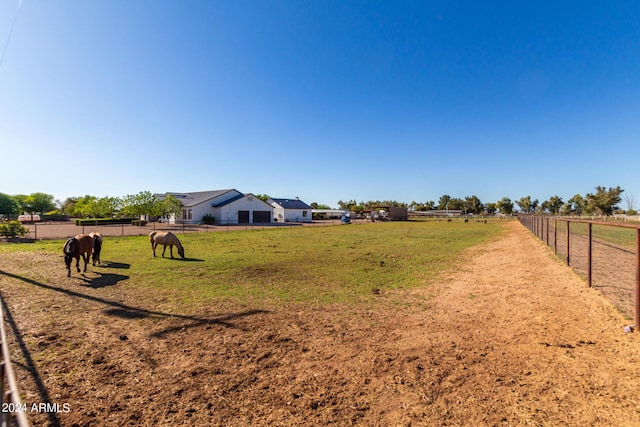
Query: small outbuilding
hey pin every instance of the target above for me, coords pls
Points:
(290, 210)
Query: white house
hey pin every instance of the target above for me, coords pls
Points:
(226, 206)
(290, 210)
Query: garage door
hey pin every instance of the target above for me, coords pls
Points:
(243, 217)
(261, 216)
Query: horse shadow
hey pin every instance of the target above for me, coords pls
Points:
(187, 259)
(103, 280)
(119, 265)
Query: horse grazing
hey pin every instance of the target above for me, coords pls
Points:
(76, 247)
(97, 247)
(165, 238)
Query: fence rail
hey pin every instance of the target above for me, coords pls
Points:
(606, 254)
(12, 407)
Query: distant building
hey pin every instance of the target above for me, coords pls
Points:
(290, 210)
(225, 206)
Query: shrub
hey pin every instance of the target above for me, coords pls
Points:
(208, 219)
(13, 229)
(140, 222)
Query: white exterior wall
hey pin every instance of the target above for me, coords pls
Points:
(295, 215)
(228, 214)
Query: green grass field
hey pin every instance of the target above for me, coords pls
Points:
(337, 264)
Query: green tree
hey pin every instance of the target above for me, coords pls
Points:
(23, 203)
(555, 204)
(169, 205)
(505, 206)
(41, 202)
(526, 204)
(577, 204)
(143, 203)
(83, 207)
(472, 204)
(490, 208)
(263, 197)
(604, 201)
(8, 205)
(443, 202)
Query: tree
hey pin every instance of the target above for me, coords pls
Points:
(604, 201)
(490, 208)
(505, 206)
(630, 202)
(577, 204)
(526, 204)
(8, 205)
(472, 204)
(443, 202)
(41, 203)
(554, 204)
(263, 197)
(143, 203)
(169, 206)
(315, 205)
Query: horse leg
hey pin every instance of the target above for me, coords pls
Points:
(78, 263)
(171, 250)
(85, 258)
(153, 248)
(164, 248)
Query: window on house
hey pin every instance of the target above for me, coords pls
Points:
(249, 199)
(304, 214)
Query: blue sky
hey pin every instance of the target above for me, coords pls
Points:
(323, 100)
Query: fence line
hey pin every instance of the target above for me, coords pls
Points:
(13, 412)
(606, 254)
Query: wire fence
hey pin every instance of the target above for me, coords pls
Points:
(605, 254)
(61, 230)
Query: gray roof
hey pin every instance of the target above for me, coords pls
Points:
(291, 203)
(195, 198)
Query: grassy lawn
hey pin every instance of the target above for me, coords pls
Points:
(316, 265)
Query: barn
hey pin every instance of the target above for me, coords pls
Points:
(228, 206)
(290, 210)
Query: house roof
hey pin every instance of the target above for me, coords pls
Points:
(195, 198)
(227, 201)
(291, 203)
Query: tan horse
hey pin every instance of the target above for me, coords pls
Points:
(97, 247)
(76, 247)
(165, 238)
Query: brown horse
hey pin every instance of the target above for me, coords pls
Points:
(76, 247)
(165, 238)
(97, 247)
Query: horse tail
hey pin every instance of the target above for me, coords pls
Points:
(152, 236)
(97, 247)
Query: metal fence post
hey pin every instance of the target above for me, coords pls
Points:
(555, 236)
(637, 277)
(568, 246)
(589, 252)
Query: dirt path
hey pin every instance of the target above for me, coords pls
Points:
(513, 338)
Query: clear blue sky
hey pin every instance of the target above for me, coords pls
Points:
(324, 100)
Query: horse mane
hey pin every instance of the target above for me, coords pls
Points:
(69, 246)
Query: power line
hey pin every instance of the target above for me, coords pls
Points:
(13, 23)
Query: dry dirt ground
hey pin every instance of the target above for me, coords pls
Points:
(513, 337)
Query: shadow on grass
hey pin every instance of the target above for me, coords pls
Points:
(116, 309)
(29, 365)
(111, 264)
(103, 280)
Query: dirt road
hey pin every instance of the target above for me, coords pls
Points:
(512, 338)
